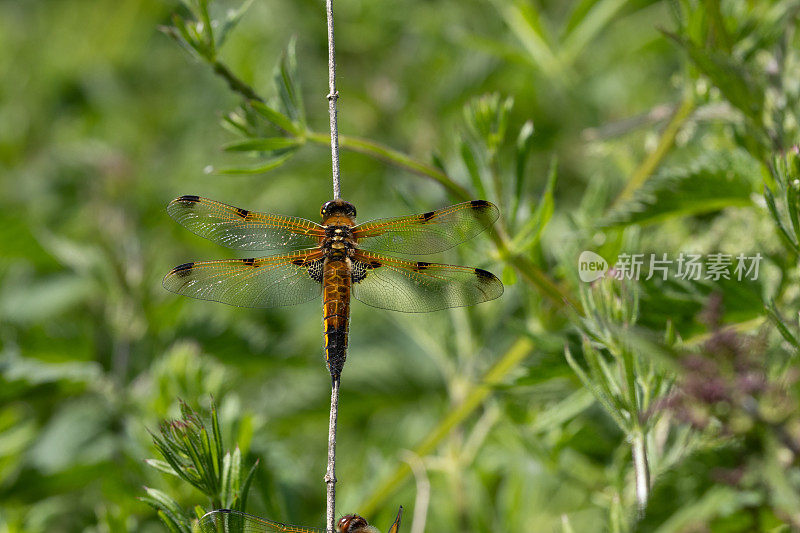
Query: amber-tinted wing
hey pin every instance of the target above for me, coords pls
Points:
(427, 233)
(416, 286)
(241, 229)
(396, 526)
(285, 279)
(228, 521)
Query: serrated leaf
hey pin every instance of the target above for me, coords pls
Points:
(265, 144)
(733, 81)
(710, 183)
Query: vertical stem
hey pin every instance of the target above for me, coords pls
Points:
(641, 471)
(330, 474)
(333, 96)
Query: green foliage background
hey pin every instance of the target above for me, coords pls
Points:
(609, 125)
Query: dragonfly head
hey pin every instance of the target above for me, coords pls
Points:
(352, 523)
(338, 207)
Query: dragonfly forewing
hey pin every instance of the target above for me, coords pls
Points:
(230, 521)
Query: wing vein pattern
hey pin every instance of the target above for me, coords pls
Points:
(240, 229)
(274, 281)
(418, 287)
(427, 233)
(229, 521)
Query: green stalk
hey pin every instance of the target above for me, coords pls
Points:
(474, 399)
(384, 153)
(665, 143)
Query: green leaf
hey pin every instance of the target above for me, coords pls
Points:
(217, 435)
(523, 149)
(777, 319)
(788, 239)
(276, 118)
(289, 93)
(162, 466)
(245, 489)
(728, 75)
(226, 492)
(229, 21)
(531, 233)
(260, 169)
(168, 510)
(487, 119)
(468, 156)
(264, 144)
(710, 183)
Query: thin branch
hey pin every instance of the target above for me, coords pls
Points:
(330, 474)
(235, 84)
(395, 157)
(665, 143)
(333, 96)
(475, 397)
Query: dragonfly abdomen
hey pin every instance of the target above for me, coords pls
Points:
(336, 313)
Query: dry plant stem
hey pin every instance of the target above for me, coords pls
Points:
(330, 475)
(333, 96)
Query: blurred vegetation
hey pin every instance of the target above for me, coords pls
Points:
(614, 126)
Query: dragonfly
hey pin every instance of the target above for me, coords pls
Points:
(336, 259)
(230, 521)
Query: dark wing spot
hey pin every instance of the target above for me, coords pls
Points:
(422, 265)
(242, 212)
(188, 199)
(427, 216)
(479, 203)
(358, 271)
(316, 270)
(375, 264)
(298, 262)
(183, 270)
(250, 261)
(484, 275)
